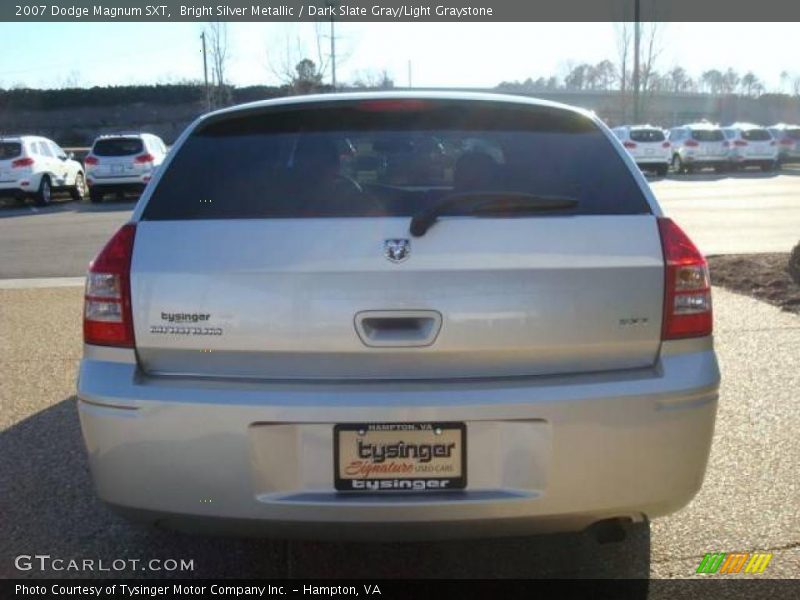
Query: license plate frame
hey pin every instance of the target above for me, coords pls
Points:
(419, 478)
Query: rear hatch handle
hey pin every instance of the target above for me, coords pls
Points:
(398, 328)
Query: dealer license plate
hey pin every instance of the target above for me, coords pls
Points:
(390, 457)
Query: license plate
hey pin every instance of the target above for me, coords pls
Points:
(390, 457)
(117, 169)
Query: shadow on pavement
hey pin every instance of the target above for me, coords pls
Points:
(49, 507)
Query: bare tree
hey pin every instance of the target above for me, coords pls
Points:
(624, 32)
(282, 59)
(217, 35)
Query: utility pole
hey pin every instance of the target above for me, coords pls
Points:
(205, 72)
(637, 34)
(333, 56)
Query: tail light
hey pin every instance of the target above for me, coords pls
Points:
(144, 158)
(665, 145)
(395, 105)
(629, 144)
(687, 288)
(692, 143)
(21, 162)
(107, 316)
(91, 160)
(787, 142)
(739, 143)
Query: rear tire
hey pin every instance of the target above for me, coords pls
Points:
(78, 191)
(44, 195)
(767, 167)
(95, 195)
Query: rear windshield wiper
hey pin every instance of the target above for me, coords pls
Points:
(501, 203)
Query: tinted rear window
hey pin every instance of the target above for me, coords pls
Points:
(351, 160)
(647, 135)
(756, 135)
(10, 150)
(707, 135)
(118, 147)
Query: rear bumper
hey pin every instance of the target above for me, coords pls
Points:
(117, 183)
(543, 454)
(22, 186)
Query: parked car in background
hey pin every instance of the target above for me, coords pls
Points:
(520, 343)
(36, 167)
(698, 145)
(788, 139)
(121, 163)
(750, 145)
(647, 145)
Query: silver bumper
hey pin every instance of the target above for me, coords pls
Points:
(546, 453)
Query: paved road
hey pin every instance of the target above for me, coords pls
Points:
(750, 212)
(739, 214)
(749, 501)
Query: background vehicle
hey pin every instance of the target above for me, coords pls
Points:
(647, 145)
(122, 163)
(533, 308)
(788, 140)
(33, 166)
(698, 145)
(750, 145)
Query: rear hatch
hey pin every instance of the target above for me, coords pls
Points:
(256, 257)
(711, 143)
(116, 157)
(650, 143)
(10, 150)
(759, 144)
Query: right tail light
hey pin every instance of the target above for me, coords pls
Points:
(687, 288)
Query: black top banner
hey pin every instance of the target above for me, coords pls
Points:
(402, 11)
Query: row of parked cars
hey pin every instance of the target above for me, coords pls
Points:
(694, 146)
(36, 167)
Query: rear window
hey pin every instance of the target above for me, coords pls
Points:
(647, 135)
(756, 135)
(118, 147)
(707, 135)
(386, 158)
(10, 150)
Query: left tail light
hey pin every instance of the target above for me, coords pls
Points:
(107, 315)
(21, 162)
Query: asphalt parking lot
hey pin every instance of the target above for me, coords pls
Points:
(749, 501)
(724, 214)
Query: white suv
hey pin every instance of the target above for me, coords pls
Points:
(122, 163)
(751, 146)
(33, 166)
(647, 145)
(698, 145)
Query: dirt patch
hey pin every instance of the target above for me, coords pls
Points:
(762, 276)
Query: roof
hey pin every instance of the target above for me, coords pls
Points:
(743, 126)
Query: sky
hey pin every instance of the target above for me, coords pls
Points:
(441, 54)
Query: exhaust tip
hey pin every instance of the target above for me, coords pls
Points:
(610, 531)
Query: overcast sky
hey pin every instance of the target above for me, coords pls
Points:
(441, 54)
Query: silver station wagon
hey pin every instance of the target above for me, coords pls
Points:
(395, 316)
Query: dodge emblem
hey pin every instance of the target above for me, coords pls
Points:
(396, 250)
